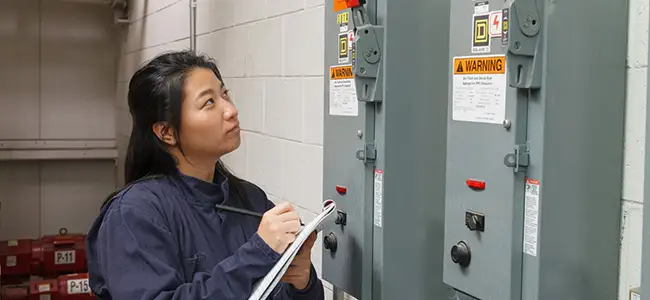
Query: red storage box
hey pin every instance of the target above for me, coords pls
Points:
(75, 287)
(61, 254)
(15, 260)
(14, 293)
(47, 289)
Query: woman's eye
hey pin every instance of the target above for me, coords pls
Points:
(226, 95)
(209, 102)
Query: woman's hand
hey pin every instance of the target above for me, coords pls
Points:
(300, 269)
(279, 226)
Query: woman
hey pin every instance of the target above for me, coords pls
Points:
(161, 236)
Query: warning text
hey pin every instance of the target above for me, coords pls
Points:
(480, 65)
(341, 72)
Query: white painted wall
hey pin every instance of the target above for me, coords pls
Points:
(632, 202)
(58, 64)
(271, 55)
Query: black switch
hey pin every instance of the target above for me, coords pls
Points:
(475, 221)
(341, 218)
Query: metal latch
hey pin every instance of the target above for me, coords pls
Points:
(368, 154)
(517, 160)
(366, 64)
(524, 56)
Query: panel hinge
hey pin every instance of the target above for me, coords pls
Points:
(524, 55)
(517, 160)
(367, 55)
(368, 154)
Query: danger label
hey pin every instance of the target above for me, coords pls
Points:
(342, 72)
(480, 65)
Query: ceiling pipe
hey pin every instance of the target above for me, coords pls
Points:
(120, 11)
(193, 26)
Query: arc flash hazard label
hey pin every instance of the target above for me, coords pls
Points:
(342, 93)
(480, 65)
(479, 89)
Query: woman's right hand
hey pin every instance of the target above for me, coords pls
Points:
(279, 226)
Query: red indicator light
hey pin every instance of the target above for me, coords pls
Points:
(475, 184)
(341, 189)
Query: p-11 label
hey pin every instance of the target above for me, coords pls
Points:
(66, 257)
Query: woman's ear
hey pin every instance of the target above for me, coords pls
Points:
(164, 133)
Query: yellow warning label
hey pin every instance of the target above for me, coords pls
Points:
(480, 65)
(341, 72)
(343, 18)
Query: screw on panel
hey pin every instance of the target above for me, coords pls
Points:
(507, 124)
(359, 133)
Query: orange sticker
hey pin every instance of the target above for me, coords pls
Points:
(340, 5)
(341, 72)
(480, 65)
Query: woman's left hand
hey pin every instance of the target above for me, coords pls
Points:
(299, 271)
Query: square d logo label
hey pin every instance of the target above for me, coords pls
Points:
(481, 31)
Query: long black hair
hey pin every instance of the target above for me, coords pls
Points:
(156, 95)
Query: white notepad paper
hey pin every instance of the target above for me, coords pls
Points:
(263, 287)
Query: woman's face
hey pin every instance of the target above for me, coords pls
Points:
(209, 123)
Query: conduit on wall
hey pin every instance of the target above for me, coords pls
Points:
(193, 25)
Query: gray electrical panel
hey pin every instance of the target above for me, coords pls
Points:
(384, 147)
(534, 148)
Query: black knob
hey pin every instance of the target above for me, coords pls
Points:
(329, 242)
(461, 254)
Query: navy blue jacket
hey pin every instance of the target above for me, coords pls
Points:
(162, 238)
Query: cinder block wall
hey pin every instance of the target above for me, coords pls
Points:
(271, 55)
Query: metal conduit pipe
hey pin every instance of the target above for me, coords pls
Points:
(193, 25)
(338, 294)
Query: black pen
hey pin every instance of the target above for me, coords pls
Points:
(242, 211)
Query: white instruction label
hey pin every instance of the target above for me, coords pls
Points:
(45, 287)
(481, 7)
(531, 217)
(479, 89)
(636, 296)
(343, 93)
(378, 196)
(11, 261)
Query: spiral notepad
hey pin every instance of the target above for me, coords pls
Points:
(263, 288)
